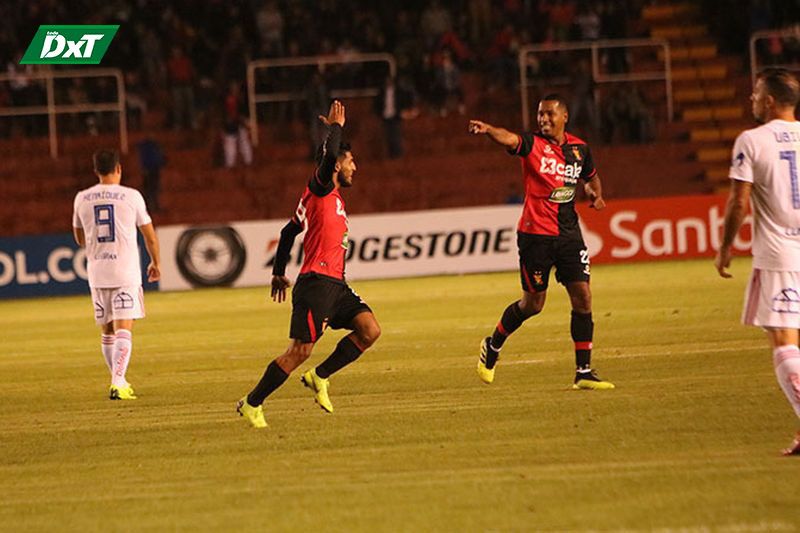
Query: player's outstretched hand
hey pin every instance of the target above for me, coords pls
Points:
(476, 127)
(336, 114)
(153, 272)
(723, 261)
(279, 286)
(598, 203)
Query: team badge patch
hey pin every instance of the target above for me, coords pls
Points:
(576, 153)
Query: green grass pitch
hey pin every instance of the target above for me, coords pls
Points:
(689, 440)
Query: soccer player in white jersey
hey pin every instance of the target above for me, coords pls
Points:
(765, 170)
(104, 221)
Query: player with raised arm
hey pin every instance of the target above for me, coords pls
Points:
(321, 297)
(764, 171)
(548, 234)
(104, 221)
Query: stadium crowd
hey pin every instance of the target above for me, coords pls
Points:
(182, 56)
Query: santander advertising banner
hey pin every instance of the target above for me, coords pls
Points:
(677, 227)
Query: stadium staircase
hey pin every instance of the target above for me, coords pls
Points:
(710, 89)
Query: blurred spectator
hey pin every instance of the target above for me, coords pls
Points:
(236, 136)
(562, 15)
(151, 160)
(613, 25)
(514, 196)
(318, 99)
(502, 56)
(270, 28)
(134, 100)
(181, 77)
(588, 22)
(480, 15)
(434, 22)
(582, 109)
(152, 56)
(626, 116)
(393, 104)
(447, 85)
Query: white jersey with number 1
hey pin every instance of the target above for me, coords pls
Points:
(110, 216)
(769, 157)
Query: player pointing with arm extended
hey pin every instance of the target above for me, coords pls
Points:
(548, 234)
(764, 170)
(105, 220)
(321, 297)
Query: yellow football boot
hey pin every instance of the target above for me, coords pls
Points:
(121, 393)
(320, 387)
(487, 355)
(254, 415)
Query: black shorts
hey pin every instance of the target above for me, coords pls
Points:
(318, 303)
(539, 253)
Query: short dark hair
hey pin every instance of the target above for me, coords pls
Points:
(782, 86)
(105, 161)
(344, 147)
(555, 97)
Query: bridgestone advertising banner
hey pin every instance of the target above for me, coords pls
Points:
(448, 241)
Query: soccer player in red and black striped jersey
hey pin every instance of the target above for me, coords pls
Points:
(548, 234)
(321, 297)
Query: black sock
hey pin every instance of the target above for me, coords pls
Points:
(273, 377)
(512, 319)
(345, 353)
(582, 329)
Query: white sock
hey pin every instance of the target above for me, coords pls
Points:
(107, 346)
(122, 356)
(787, 369)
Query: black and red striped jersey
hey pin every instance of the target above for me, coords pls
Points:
(551, 173)
(325, 242)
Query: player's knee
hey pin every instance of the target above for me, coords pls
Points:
(368, 334)
(531, 305)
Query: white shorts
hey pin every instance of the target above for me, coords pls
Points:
(121, 303)
(772, 300)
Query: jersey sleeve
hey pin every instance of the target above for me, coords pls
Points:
(588, 171)
(742, 159)
(322, 182)
(76, 220)
(524, 145)
(142, 216)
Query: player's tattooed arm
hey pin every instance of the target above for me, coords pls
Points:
(735, 212)
(594, 191)
(330, 149)
(501, 136)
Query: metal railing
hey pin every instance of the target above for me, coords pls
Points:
(755, 69)
(264, 64)
(52, 109)
(597, 75)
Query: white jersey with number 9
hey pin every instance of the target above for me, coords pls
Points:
(110, 216)
(768, 157)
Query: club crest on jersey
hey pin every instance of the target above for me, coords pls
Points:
(576, 153)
